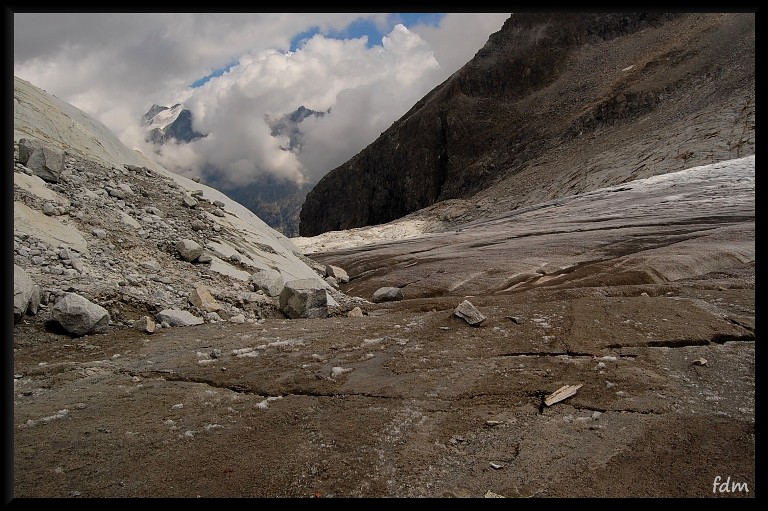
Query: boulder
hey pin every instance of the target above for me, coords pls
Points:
(469, 313)
(387, 294)
(176, 317)
(202, 298)
(145, 324)
(80, 316)
(189, 250)
(26, 294)
(304, 298)
(26, 148)
(357, 312)
(338, 273)
(270, 281)
(44, 161)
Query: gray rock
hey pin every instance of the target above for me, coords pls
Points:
(332, 282)
(26, 148)
(204, 258)
(271, 282)
(469, 313)
(212, 317)
(189, 201)
(99, 233)
(23, 293)
(189, 250)
(218, 212)
(176, 317)
(151, 264)
(49, 209)
(47, 163)
(387, 294)
(126, 188)
(304, 298)
(338, 273)
(239, 319)
(80, 316)
(117, 193)
(145, 324)
(218, 203)
(197, 225)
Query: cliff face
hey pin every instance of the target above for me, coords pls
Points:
(541, 81)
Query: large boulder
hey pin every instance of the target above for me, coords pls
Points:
(387, 294)
(44, 161)
(80, 316)
(26, 294)
(270, 281)
(304, 298)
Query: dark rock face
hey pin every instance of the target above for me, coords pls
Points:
(179, 130)
(542, 80)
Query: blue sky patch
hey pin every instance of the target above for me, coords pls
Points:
(367, 27)
(216, 73)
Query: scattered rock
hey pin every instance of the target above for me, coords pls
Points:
(469, 313)
(80, 316)
(145, 324)
(176, 317)
(339, 274)
(700, 361)
(189, 250)
(197, 225)
(387, 294)
(189, 201)
(202, 298)
(332, 282)
(561, 394)
(238, 318)
(355, 313)
(270, 282)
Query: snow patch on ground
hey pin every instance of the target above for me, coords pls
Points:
(350, 238)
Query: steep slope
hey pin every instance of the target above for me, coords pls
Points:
(106, 223)
(613, 97)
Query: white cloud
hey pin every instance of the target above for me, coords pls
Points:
(114, 66)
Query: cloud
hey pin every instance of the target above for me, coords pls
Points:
(114, 66)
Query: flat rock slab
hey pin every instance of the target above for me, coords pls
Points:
(469, 313)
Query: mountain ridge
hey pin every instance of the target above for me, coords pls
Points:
(598, 76)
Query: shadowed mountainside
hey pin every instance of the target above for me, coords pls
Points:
(548, 88)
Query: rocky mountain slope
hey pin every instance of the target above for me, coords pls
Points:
(555, 104)
(94, 218)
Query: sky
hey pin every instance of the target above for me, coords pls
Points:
(234, 71)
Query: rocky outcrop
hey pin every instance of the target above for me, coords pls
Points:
(542, 81)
